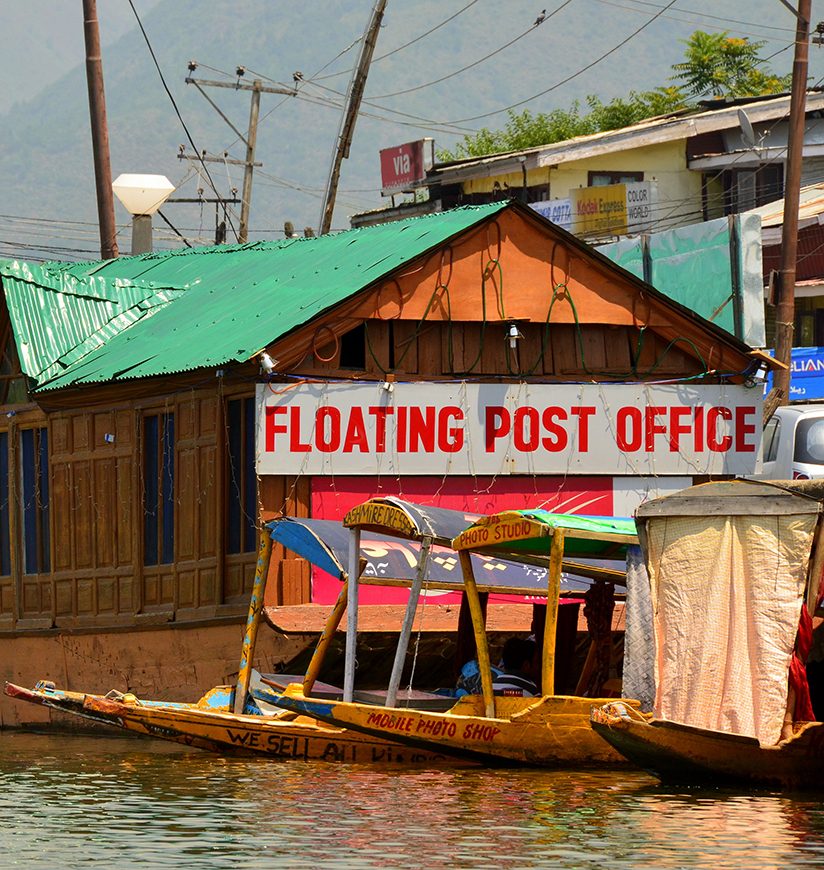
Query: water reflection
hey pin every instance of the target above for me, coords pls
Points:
(126, 802)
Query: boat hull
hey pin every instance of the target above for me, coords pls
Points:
(209, 725)
(683, 755)
(299, 738)
(46, 695)
(551, 731)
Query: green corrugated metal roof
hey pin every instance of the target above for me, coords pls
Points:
(58, 318)
(89, 322)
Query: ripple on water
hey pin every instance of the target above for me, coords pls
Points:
(117, 802)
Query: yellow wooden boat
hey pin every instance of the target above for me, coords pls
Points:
(244, 717)
(241, 718)
(732, 702)
(550, 730)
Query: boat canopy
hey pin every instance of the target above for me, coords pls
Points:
(393, 561)
(731, 565)
(403, 519)
(753, 498)
(526, 533)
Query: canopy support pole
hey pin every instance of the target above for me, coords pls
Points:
(332, 623)
(351, 616)
(247, 651)
(553, 592)
(476, 612)
(408, 619)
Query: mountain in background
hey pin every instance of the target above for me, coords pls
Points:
(46, 174)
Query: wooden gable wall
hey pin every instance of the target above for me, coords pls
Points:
(444, 316)
(447, 315)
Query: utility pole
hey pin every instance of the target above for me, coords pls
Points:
(249, 139)
(100, 132)
(218, 201)
(785, 308)
(350, 114)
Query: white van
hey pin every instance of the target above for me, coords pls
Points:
(793, 443)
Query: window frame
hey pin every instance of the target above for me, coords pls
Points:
(242, 500)
(158, 490)
(616, 177)
(35, 512)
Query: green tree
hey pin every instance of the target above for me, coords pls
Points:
(719, 65)
(525, 130)
(715, 64)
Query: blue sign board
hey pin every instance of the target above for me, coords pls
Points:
(806, 374)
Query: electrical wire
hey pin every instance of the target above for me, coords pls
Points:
(718, 17)
(569, 78)
(381, 57)
(174, 228)
(174, 105)
(425, 123)
(680, 18)
(476, 62)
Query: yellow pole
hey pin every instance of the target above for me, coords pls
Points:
(556, 557)
(479, 629)
(332, 623)
(247, 651)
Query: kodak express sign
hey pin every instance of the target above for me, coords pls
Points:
(470, 428)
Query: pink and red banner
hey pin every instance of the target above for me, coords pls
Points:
(332, 498)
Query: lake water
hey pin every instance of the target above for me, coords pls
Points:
(72, 801)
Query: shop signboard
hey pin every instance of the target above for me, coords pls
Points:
(459, 428)
(402, 166)
(599, 210)
(806, 374)
(556, 210)
(612, 209)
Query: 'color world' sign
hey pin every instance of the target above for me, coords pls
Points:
(471, 428)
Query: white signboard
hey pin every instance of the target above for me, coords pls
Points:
(559, 211)
(641, 197)
(470, 428)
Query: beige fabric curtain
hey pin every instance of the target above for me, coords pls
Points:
(727, 593)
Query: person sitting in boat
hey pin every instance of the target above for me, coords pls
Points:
(515, 675)
(469, 679)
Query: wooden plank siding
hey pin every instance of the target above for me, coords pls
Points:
(97, 575)
(445, 317)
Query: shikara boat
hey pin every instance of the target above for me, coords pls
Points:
(241, 718)
(550, 730)
(244, 718)
(735, 573)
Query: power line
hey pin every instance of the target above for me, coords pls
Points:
(425, 123)
(718, 17)
(174, 229)
(715, 29)
(174, 105)
(569, 78)
(394, 50)
(476, 62)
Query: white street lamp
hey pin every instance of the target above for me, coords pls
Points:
(142, 196)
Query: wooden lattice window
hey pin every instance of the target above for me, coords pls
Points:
(158, 489)
(12, 381)
(34, 473)
(241, 483)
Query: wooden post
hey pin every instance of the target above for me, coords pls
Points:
(332, 623)
(253, 620)
(251, 140)
(351, 616)
(100, 132)
(350, 114)
(408, 619)
(785, 307)
(556, 557)
(479, 629)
